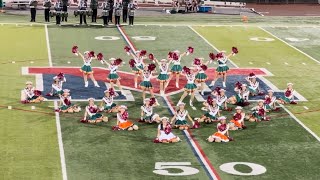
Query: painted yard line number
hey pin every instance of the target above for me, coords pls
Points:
(114, 38)
(162, 168)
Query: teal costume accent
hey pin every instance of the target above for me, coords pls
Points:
(163, 77)
(135, 69)
(190, 86)
(113, 76)
(94, 117)
(146, 84)
(110, 107)
(86, 69)
(176, 68)
(208, 115)
(201, 77)
(181, 122)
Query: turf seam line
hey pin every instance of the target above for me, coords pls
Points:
(299, 122)
(61, 149)
(196, 149)
(211, 45)
(48, 45)
(268, 32)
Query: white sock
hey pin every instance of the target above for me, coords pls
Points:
(223, 84)
(86, 83)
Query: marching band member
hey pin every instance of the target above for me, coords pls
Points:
(222, 68)
(259, 113)
(176, 69)
(146, 85)
(65, 4)
(201, 76)
(288, 95)
(65, 103)
(164, 133)
(238, 119)
(180, 117)
(164, 74)
(113, 77)
(58, 9)
(111, 2)
(132, 8)
(46, 6)
(83, 7)
(147, 114)
(92, 114)
(137, 64)
(222, 134)
(242, 95)
(94, 7)
(33, 9)
(122, 120)
(190, 87)
(212, 111)
(105, 12)
(253, 85)
(86, 68)
(270, 101)
(125, 5)
(117, 13)
(107, 103)
(30, 95)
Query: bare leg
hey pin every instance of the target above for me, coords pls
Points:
(85, 79)
(136, 80)
(183, 96)
(94, 81)
(143, 94)
(168, 81)
(151, 93)
(119, 85)
(177, 80)
(224, 79)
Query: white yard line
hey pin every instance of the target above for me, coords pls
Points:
(39, 82)
(305, 107)
(61, 149)
(289, 45)
(298, 121)
(211, 45)
(48, 46)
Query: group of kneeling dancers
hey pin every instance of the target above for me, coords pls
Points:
(196, 77)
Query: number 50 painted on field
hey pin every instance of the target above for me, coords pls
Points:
(161, 168)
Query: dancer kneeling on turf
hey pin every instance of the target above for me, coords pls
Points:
(222, 135)
(30, 95)
(259, 113)
(180, 117)
(147, 114)
(238, 120)
(91, 113)
(242, 95)
(164, 134)
(107, 103)
(253, 85)
(122, 120)
(270, 101)
(288, 95)
(65, 103)
(212, 111)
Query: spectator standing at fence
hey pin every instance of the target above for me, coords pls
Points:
(65, 10)
(83, 7)
(131, 9)
(94, 7)
(46, 6)
(58, 8)
(117, 13)
(111, 2)
(33, 6)
(105, 12)
(125, 5)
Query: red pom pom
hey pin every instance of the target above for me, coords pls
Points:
(151, 67)
(74, 49)
(237, 117)
(175, 56)
(186, 70)
(170, 55)
(204, 67)
(190, 49)
(217, 89)
(238, 85)
(83, 121)
(127, 49)
(132, 63)
(287, 93)
(115, 128)
(219, 55)
(209, 100)
(111, 91)
(143, 52)
(196, 61)
(37, 93)
(251, 74)
(230, 138)
(125, 115)
(151, 56)
(100, 56)
(152, 101)
(235, 50)
(91, 54)
(212, 56)
(267, 100)
(156, 140)
(60, 75)
(261, 112)
(117, 61)
(196, 125)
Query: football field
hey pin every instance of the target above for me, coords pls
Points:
(42, 144)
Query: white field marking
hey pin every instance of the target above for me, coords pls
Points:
(61, 149)
(107, 85)
(305, 107)
(268, 63)
(193, 108)
(290, 45)
(31, 62)
(48, 46)
(39, 82)
(304, 63)
(174, 92)
(250, 63)
(268, 83)
(198, 97)
(24, 70)
(193, 144)
(211, 45)
(298, 121)
(126, 39)
(286, 63)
